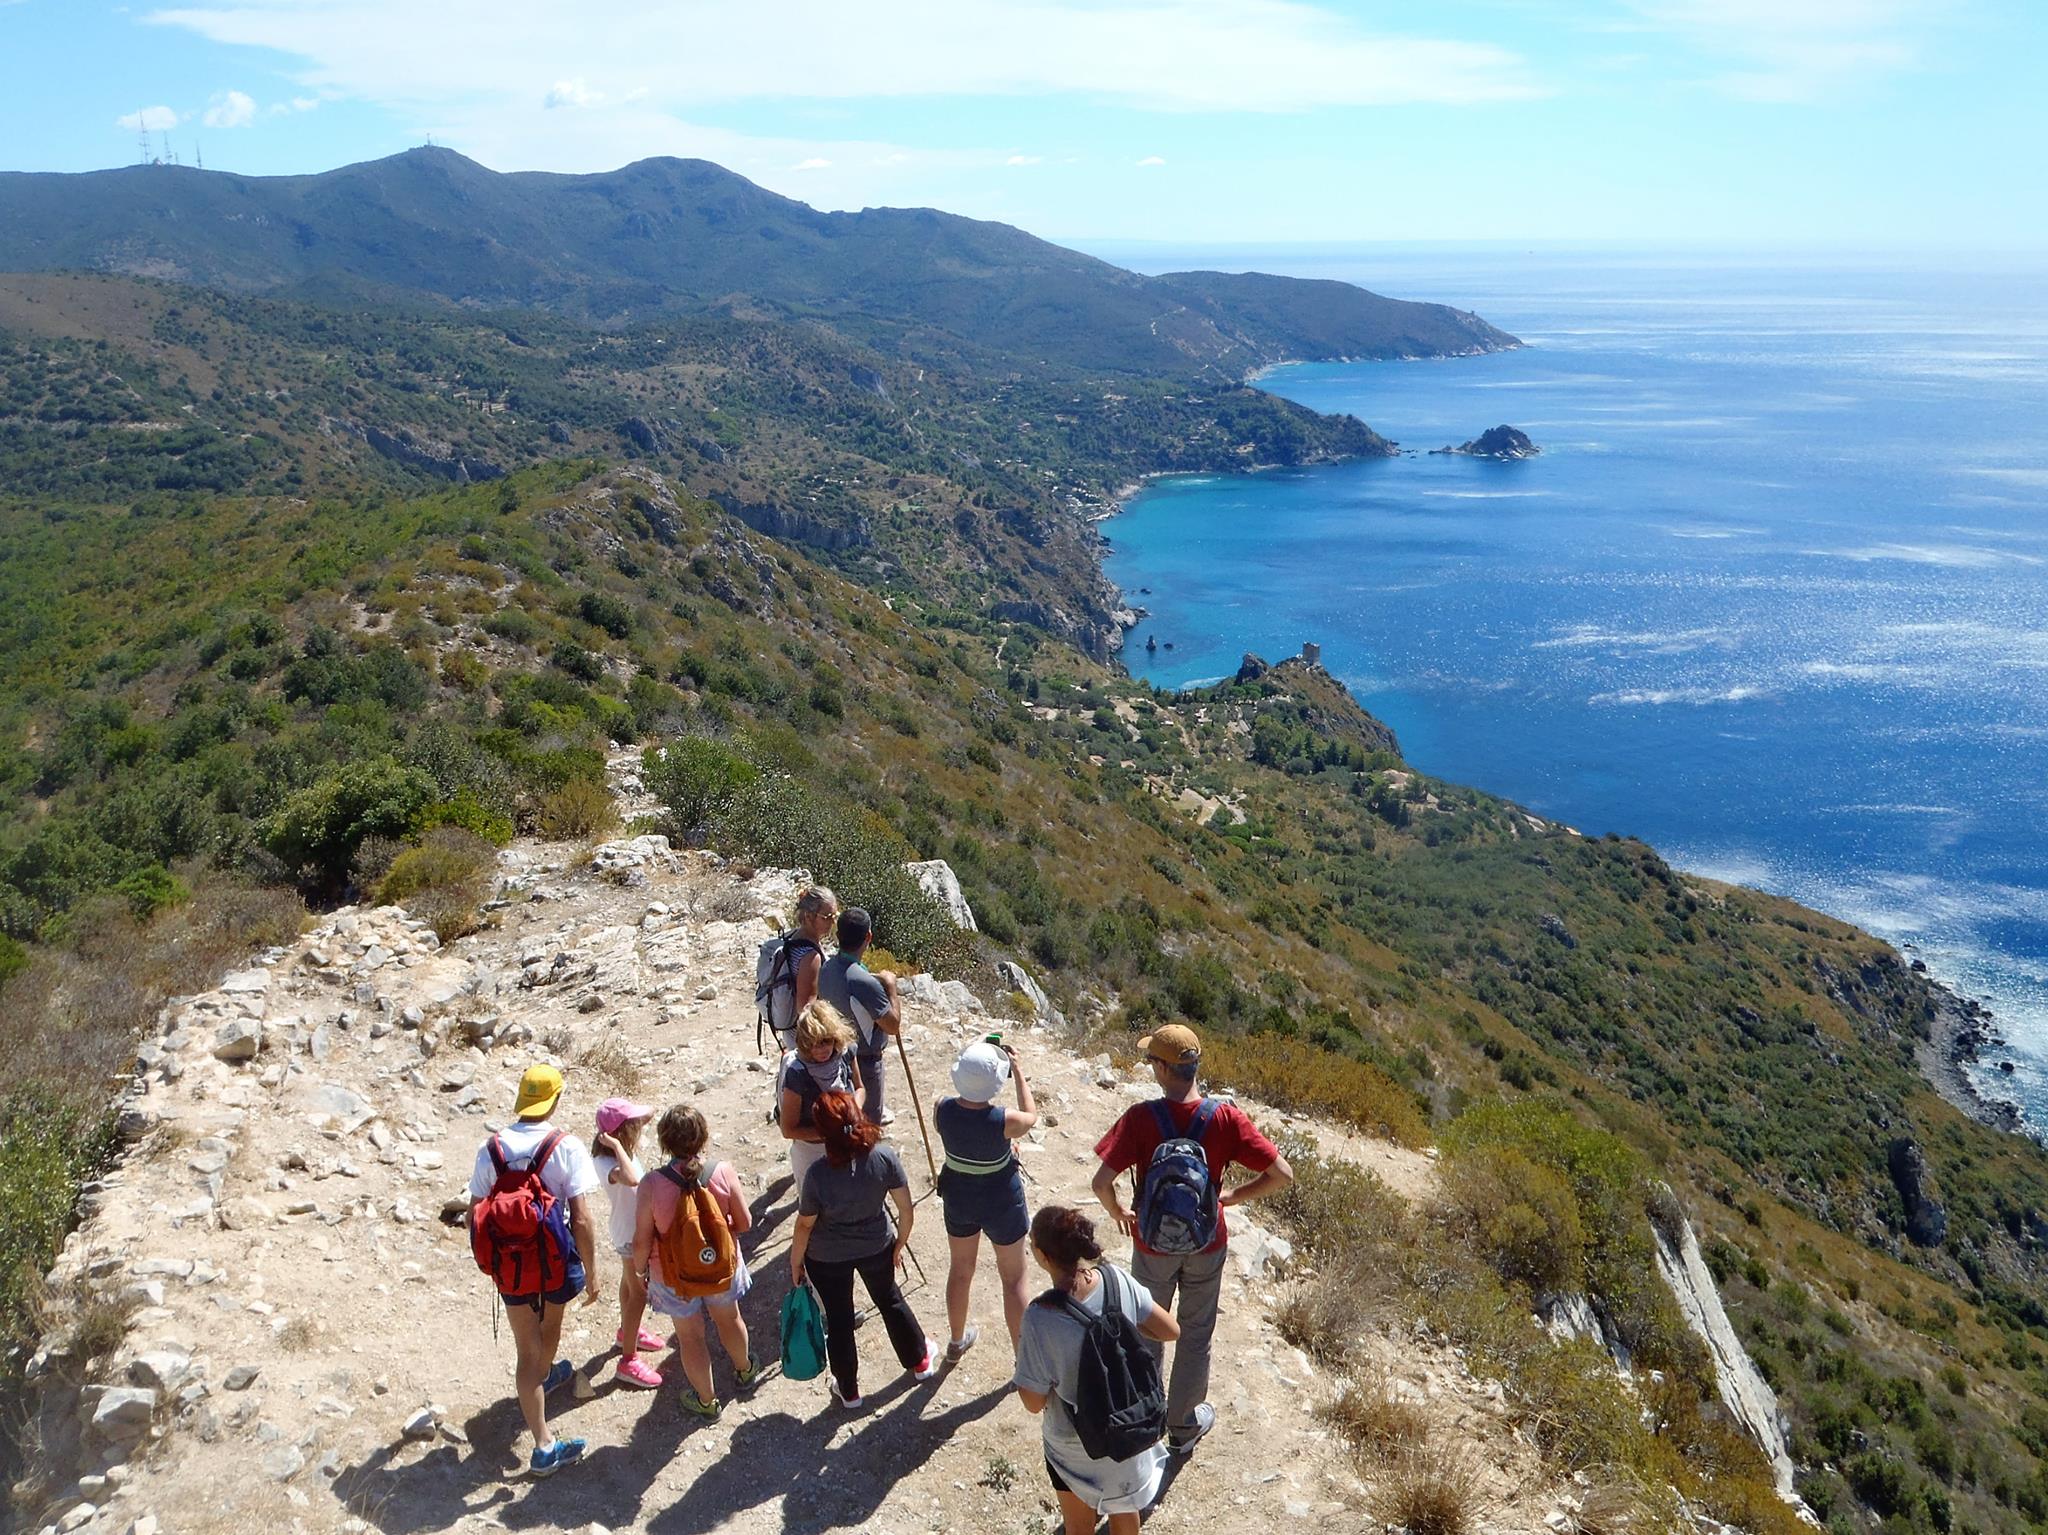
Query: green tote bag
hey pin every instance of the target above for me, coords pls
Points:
(803, 1335)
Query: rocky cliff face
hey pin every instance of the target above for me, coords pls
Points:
(1743, 1391)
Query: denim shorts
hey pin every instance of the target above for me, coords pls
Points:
(664, 1301)
(990, 1204)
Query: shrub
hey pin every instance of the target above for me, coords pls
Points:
(697, 779)
(1524, 1218)
(606, 612)
(318, 829)
(442, 881)
(467, 812)
(148, 891)
(580, 810)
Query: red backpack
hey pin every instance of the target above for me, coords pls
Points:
(518, 1231)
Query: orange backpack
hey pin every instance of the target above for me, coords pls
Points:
(698, 1257)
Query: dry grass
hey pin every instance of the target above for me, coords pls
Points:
(1320, 1313)
(1372, 1420)
(298, 1335)
(1292, 1074)
(1431, 1488)
(614, 1066)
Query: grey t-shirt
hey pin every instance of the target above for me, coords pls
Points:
(852, 988)
(852, 1205)
(1049, 1361)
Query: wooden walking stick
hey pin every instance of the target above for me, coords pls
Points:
(931, 1161)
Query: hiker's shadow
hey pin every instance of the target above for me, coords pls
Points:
(774, 1205)
(822, 1485)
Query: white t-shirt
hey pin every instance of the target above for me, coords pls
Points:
(570, 1173)
(624, 1197)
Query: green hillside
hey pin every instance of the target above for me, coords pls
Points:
(253, 659)
(688, 236)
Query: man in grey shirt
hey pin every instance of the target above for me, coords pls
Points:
(868, 999)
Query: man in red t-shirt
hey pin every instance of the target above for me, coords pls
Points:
(1176, 1053)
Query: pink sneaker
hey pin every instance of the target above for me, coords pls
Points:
(635, 1372)
(648, 1343)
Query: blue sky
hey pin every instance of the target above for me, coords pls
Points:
(1760, 122)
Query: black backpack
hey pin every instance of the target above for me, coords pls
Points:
(1119, 1407)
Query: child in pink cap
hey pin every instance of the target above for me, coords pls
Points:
(619, 1122)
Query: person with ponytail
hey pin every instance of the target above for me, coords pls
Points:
(1049, 1364)
(843, 1229)
(684, 1137)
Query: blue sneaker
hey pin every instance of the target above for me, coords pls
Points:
(559, 1375)
(563, 1452)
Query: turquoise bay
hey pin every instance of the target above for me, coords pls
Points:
(1774, 598)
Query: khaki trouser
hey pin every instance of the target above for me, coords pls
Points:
(1198, 1280)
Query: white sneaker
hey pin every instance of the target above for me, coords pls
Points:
(888, 1117)
(850, 1403)
(963, 1343)
(1184, 1443)
(931, 1365)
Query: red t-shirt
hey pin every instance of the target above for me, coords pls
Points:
(1230, 1137)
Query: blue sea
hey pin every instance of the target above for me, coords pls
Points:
(1774, 597)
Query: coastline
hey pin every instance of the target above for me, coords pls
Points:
(1956, 1039)
(1960, 1030)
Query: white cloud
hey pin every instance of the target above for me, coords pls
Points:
(1150, 160)
(1177, 55)
(572, 93)
(230, 109)
(814, 163)
(1025, 160)
(1797, 50)
(149, 120)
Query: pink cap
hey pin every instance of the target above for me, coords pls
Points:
(614, 1112)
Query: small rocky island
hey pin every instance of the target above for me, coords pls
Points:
(1498, 442)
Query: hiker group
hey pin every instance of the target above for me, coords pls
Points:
(1088, 1350)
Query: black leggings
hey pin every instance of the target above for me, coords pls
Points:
(834, 1283)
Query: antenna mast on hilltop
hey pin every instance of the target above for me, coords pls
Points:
(141, 140)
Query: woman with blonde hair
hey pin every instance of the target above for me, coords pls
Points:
(843, 1229)
(823, 1063)
(687, 1176)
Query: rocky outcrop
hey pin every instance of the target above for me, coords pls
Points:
(428, 455)
(1250, 669)
(1500, 442)
(1743, 1391)
(775, 521)
(1020, 981)
(1926, 1215)
(937, 879)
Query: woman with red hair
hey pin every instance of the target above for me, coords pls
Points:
(843, 1229)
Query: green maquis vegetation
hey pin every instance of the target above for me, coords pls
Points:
(304, 603)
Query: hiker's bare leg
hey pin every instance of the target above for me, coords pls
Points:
(632, 1310)
(960, 1280)
(1079, 1517)
(1123, 1524)
(1010, 1266)
(532, 1368)
(696, 1356)
(732, 1333)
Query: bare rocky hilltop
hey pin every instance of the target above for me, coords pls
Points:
(302, 1341)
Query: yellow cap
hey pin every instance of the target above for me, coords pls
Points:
(538, 1090)
(1175, 1045)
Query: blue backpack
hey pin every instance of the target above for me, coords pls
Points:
(1177, 1210)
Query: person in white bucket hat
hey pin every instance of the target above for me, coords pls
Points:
(981, 1187)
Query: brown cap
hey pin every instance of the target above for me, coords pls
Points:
(1174, 1045)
